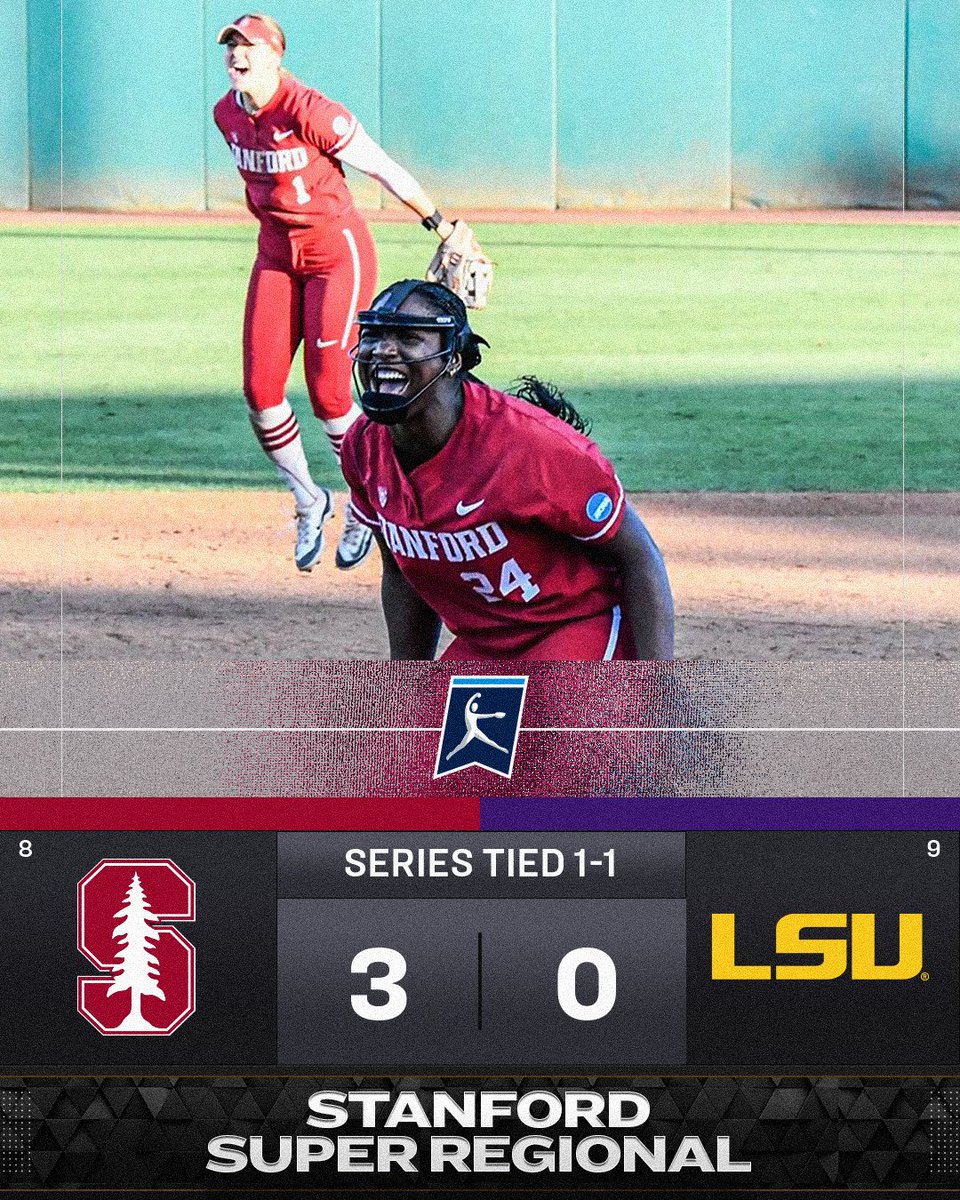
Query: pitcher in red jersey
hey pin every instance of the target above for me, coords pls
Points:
(316, 264)
(495, 514)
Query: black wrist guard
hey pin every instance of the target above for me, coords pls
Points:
(433, 222)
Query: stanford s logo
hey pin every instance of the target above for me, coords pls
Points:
(857, 945)
(481, 724)
(146, 987)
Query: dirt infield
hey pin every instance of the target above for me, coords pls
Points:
(185, 575)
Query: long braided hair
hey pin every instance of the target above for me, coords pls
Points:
(528, 387)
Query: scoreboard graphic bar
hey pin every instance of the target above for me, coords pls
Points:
(474, 812)
(433, 1010)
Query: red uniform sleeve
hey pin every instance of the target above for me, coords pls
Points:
(218, 117)
(359, 501)
(580, 493)
(325, 123)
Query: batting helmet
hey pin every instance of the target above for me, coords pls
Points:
(449, 317)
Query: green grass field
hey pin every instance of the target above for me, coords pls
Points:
(731, 357)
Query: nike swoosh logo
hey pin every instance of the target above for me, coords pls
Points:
(278, 136)
(464, 509)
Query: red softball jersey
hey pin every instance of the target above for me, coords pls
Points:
(495, 531)
(284, 153)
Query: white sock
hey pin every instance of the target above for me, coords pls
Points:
(278, 433)
(337, 427)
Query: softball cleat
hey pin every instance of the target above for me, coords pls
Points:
(356, 542)
(310, 525)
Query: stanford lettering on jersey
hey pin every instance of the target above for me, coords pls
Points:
(270, 162)
(463, 546)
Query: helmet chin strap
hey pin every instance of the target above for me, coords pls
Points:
(388, 408)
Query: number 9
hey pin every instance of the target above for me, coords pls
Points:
(933, 848)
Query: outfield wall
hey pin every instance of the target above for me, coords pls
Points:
(526, 103)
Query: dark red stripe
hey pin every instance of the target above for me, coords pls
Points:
(280, 430)
(205, 812)
(279, 443)
(292, 419)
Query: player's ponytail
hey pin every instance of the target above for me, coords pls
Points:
(549, 397)
(544, 395)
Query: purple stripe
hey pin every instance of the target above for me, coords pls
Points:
(721, 813)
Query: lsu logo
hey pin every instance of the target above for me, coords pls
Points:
(481, 724)
(147, 981)
(830, 956)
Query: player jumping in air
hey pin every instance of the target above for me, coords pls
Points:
(316, 263)
(494, 514)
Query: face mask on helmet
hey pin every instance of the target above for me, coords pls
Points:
(389, 408)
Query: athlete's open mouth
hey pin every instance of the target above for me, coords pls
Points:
(388, 379)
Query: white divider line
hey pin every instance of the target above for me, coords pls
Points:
(900, 729)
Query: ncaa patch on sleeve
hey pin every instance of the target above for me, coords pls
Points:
(599, 507)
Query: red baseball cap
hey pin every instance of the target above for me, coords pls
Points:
(253, 30)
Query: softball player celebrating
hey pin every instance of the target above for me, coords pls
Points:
(494, 514)
(315, 264)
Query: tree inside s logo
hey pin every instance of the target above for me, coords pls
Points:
(147, 981)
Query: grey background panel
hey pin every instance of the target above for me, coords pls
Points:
(761, 877)
(644, 865)
(316, 944)
(234, 935)
(29, 763)
(522, 1019)
(365, 728)
(523, 943)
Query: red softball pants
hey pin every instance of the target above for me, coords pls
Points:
(594, 639)
(311, 295)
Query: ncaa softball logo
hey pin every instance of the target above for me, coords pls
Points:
(147, 981)
(599, 507)
(481, 724)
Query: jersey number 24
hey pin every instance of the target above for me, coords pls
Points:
(511, 578)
